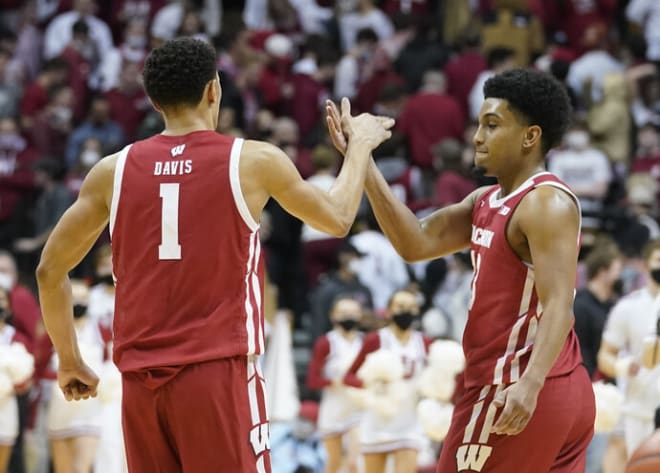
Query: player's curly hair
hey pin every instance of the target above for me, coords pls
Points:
(537, 97)
(177, 72)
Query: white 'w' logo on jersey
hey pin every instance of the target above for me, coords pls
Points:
(177, 150)
(472, 456)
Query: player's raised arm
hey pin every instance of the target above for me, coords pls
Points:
(334, 211)
(69, 242)
(443, 232)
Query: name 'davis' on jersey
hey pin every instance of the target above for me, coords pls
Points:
(173, 168)
(482, 237)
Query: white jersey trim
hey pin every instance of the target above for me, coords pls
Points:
(235, 182)
(495, 201)
(116, 188)
(572, 195)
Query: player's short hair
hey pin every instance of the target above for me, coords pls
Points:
(650, 248)
(177, 72)
(537, 98)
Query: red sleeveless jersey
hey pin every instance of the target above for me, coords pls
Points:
(186, 254)
(505, 309)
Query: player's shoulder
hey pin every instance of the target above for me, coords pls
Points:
(549, 203)
(260, 153)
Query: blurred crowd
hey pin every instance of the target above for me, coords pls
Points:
(70, 93)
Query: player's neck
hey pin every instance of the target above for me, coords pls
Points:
(186, 122)
(512, 181)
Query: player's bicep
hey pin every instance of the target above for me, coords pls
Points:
(80, 225)
(551, 224)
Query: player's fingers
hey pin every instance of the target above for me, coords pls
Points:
(66, 390)
(387, 122)
(332, 109)
(345, 107)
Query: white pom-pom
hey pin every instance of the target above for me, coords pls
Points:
(381, 366)
(21, 366)
(447, 355)
(109, 389)
(435, 418)
(384, 399)
(6, 386)
(609, 401)
(437, 383)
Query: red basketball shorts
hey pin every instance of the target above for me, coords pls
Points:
(208, 416)
(555, 439)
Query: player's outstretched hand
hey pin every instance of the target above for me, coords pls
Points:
(342, 126)
(519, 403)
(77, 382)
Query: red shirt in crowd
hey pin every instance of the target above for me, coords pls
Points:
(427, 119)
(461, 73)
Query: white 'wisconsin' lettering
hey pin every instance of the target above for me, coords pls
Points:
(482, 237)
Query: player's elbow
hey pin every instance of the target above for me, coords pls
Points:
(46, 271)
(339, 226)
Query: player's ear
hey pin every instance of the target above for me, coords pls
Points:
(532, 137)
(213, 91)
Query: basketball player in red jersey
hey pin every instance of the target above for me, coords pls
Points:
(183, 208)
(527, 404)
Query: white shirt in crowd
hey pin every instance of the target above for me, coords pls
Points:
(59, 34)
(631, 320)
(646, 13)
(351, 23)
(381, 268)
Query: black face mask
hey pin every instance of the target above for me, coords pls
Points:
(107, 279)
(655, 274)
(348, 324)
(79, 310)
(403, 320)
(4, 314)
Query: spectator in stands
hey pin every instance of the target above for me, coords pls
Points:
(58, 33)
(609, 121)
(275, 83)
(319, 249)
(353, 66)
(91, 153)
(52, 126)
(463, 70)
(98, 125)
(342, 281)
(453, 183)
(499, 60)
(586, 170)
(132, 48)
(128, 104)
(380, 267)
(16, 177)
(10, 92)
(365, 15)
(53, 74)
(422, 53)
(429, 117)
(646, 14)
(53, 200)
(81, 57)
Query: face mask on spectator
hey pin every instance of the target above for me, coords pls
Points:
(4, 314)
(6, 282)
(136, 41)
(89, 157)
(577, 139)
(62, 114)
(655, 274)
(79, 310)
(12, 141)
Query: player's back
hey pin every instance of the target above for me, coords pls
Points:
(186, 253)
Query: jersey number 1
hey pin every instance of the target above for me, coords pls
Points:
(169, 247)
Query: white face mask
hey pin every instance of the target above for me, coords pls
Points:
(6, 282)
(354, 265)
(577, 139)
(89, 157)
